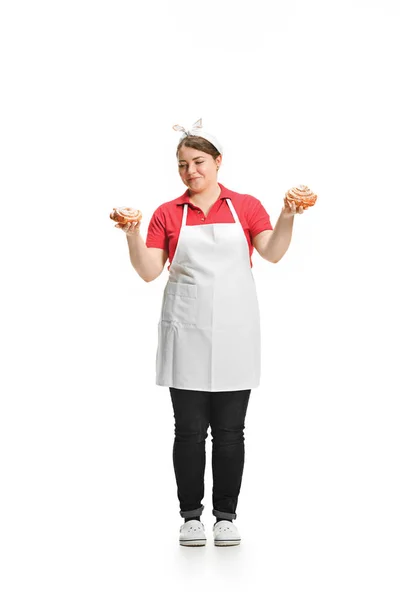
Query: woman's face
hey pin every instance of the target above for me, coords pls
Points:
(198, 170)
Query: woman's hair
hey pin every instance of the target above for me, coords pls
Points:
(198, 143)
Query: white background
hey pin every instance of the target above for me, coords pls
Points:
(297, 93)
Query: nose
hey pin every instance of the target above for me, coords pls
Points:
(191, 169)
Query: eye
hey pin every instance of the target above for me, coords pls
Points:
(200, 162)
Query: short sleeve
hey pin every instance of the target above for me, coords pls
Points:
(257, 217)
(156, 233)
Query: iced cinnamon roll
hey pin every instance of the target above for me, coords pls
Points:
(302, 196)
(124, 215)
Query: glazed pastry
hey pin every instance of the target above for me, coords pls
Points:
(301, 195)
(124, 215)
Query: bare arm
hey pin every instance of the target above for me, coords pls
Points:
(272, 245)
(147, 262)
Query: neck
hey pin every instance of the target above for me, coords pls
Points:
(206, 196)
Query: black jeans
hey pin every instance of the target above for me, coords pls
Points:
(194, 411)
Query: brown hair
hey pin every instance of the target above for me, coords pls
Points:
(198, 143)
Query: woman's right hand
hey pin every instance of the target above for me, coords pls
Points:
(128, 219)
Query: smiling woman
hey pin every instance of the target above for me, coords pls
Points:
(209, 339)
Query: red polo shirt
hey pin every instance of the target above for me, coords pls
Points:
(165, 224)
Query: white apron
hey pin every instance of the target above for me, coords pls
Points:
(209, 328)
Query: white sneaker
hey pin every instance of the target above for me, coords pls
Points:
(226, 534)
(192, 533)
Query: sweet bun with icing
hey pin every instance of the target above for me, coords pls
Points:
(302, 196)
(125, 215)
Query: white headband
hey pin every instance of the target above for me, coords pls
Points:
(197, 129)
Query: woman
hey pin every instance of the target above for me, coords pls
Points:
(209, 329)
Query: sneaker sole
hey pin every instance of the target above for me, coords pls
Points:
(227, 542)
(192, 542)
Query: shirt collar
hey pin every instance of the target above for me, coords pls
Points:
(185, 198)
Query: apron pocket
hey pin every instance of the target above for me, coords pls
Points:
(180, 302)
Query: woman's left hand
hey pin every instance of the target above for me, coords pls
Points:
(290, 209)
